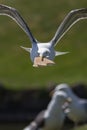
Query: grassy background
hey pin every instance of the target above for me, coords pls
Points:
(43, 18)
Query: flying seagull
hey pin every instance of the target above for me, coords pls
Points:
(53, 117)
(43, 54)
(78, 106)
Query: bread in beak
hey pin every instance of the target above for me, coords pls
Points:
(42, 61)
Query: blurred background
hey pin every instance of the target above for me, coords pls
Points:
(43, 17)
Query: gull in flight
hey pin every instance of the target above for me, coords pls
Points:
(53, 117)
(78, 106)
(43, 54)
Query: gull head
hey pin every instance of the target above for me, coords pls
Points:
(43, 54)
(62, 87)
(65, 88)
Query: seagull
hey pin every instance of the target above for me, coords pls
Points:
(77, 108)
(53, 117)
(43, 54)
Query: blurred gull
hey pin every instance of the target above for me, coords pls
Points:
(53, 117)
(78, 106)
(43, 54)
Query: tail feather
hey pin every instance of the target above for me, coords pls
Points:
(26, 48)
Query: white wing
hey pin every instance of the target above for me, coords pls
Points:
(70, 19)
(13, 13)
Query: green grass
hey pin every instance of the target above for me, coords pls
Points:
(43, 17)
(16, 69)
(81, 128)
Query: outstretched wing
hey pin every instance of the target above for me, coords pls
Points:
(70, 19)
(13, 13)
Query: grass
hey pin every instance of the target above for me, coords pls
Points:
(16, 69)
(81, 128)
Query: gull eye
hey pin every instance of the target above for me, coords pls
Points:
(47, 52)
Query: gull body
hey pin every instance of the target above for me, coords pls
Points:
(53, 117)
(78, 106)
(43, 54)
(42, 50)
